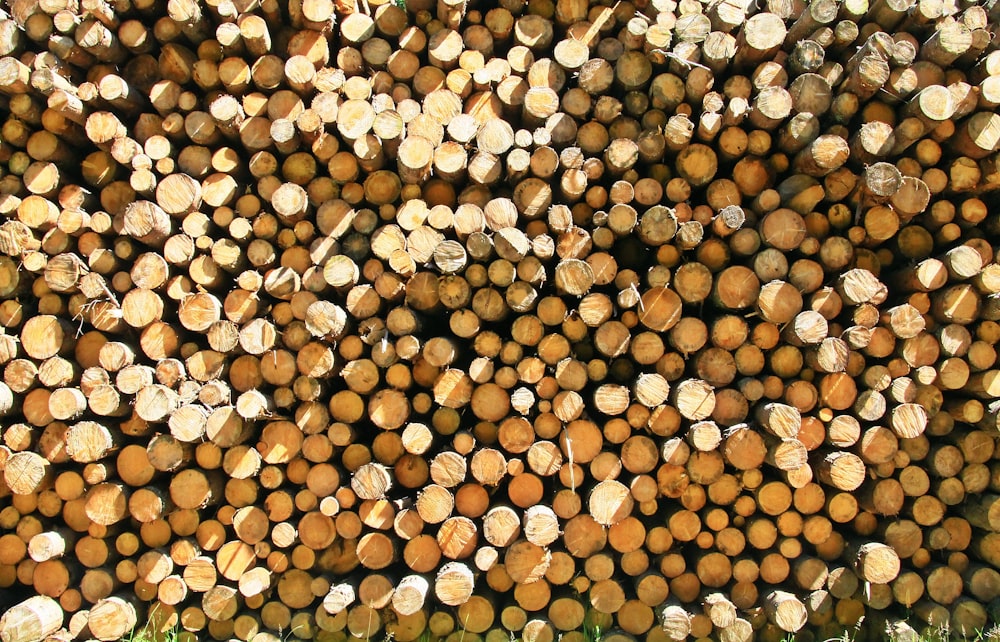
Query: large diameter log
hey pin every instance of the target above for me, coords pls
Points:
(454, 584)
(875, 562)
(842, 470)
(760, 37)
(32, 620)
(27, 472)
(111, 618)
(983, 511)
(786, 611)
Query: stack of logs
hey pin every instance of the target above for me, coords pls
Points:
(441, 319)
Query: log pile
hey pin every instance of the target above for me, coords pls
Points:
(361, 319)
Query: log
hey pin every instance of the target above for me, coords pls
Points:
(33, 619)
(754, 240)
(111, 618)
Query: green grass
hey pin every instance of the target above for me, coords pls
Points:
(942, 633)
(148, 633)
(915, 634)
(157, 628)
(592, 630)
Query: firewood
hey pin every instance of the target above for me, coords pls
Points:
(33, 618)
(756, 244)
